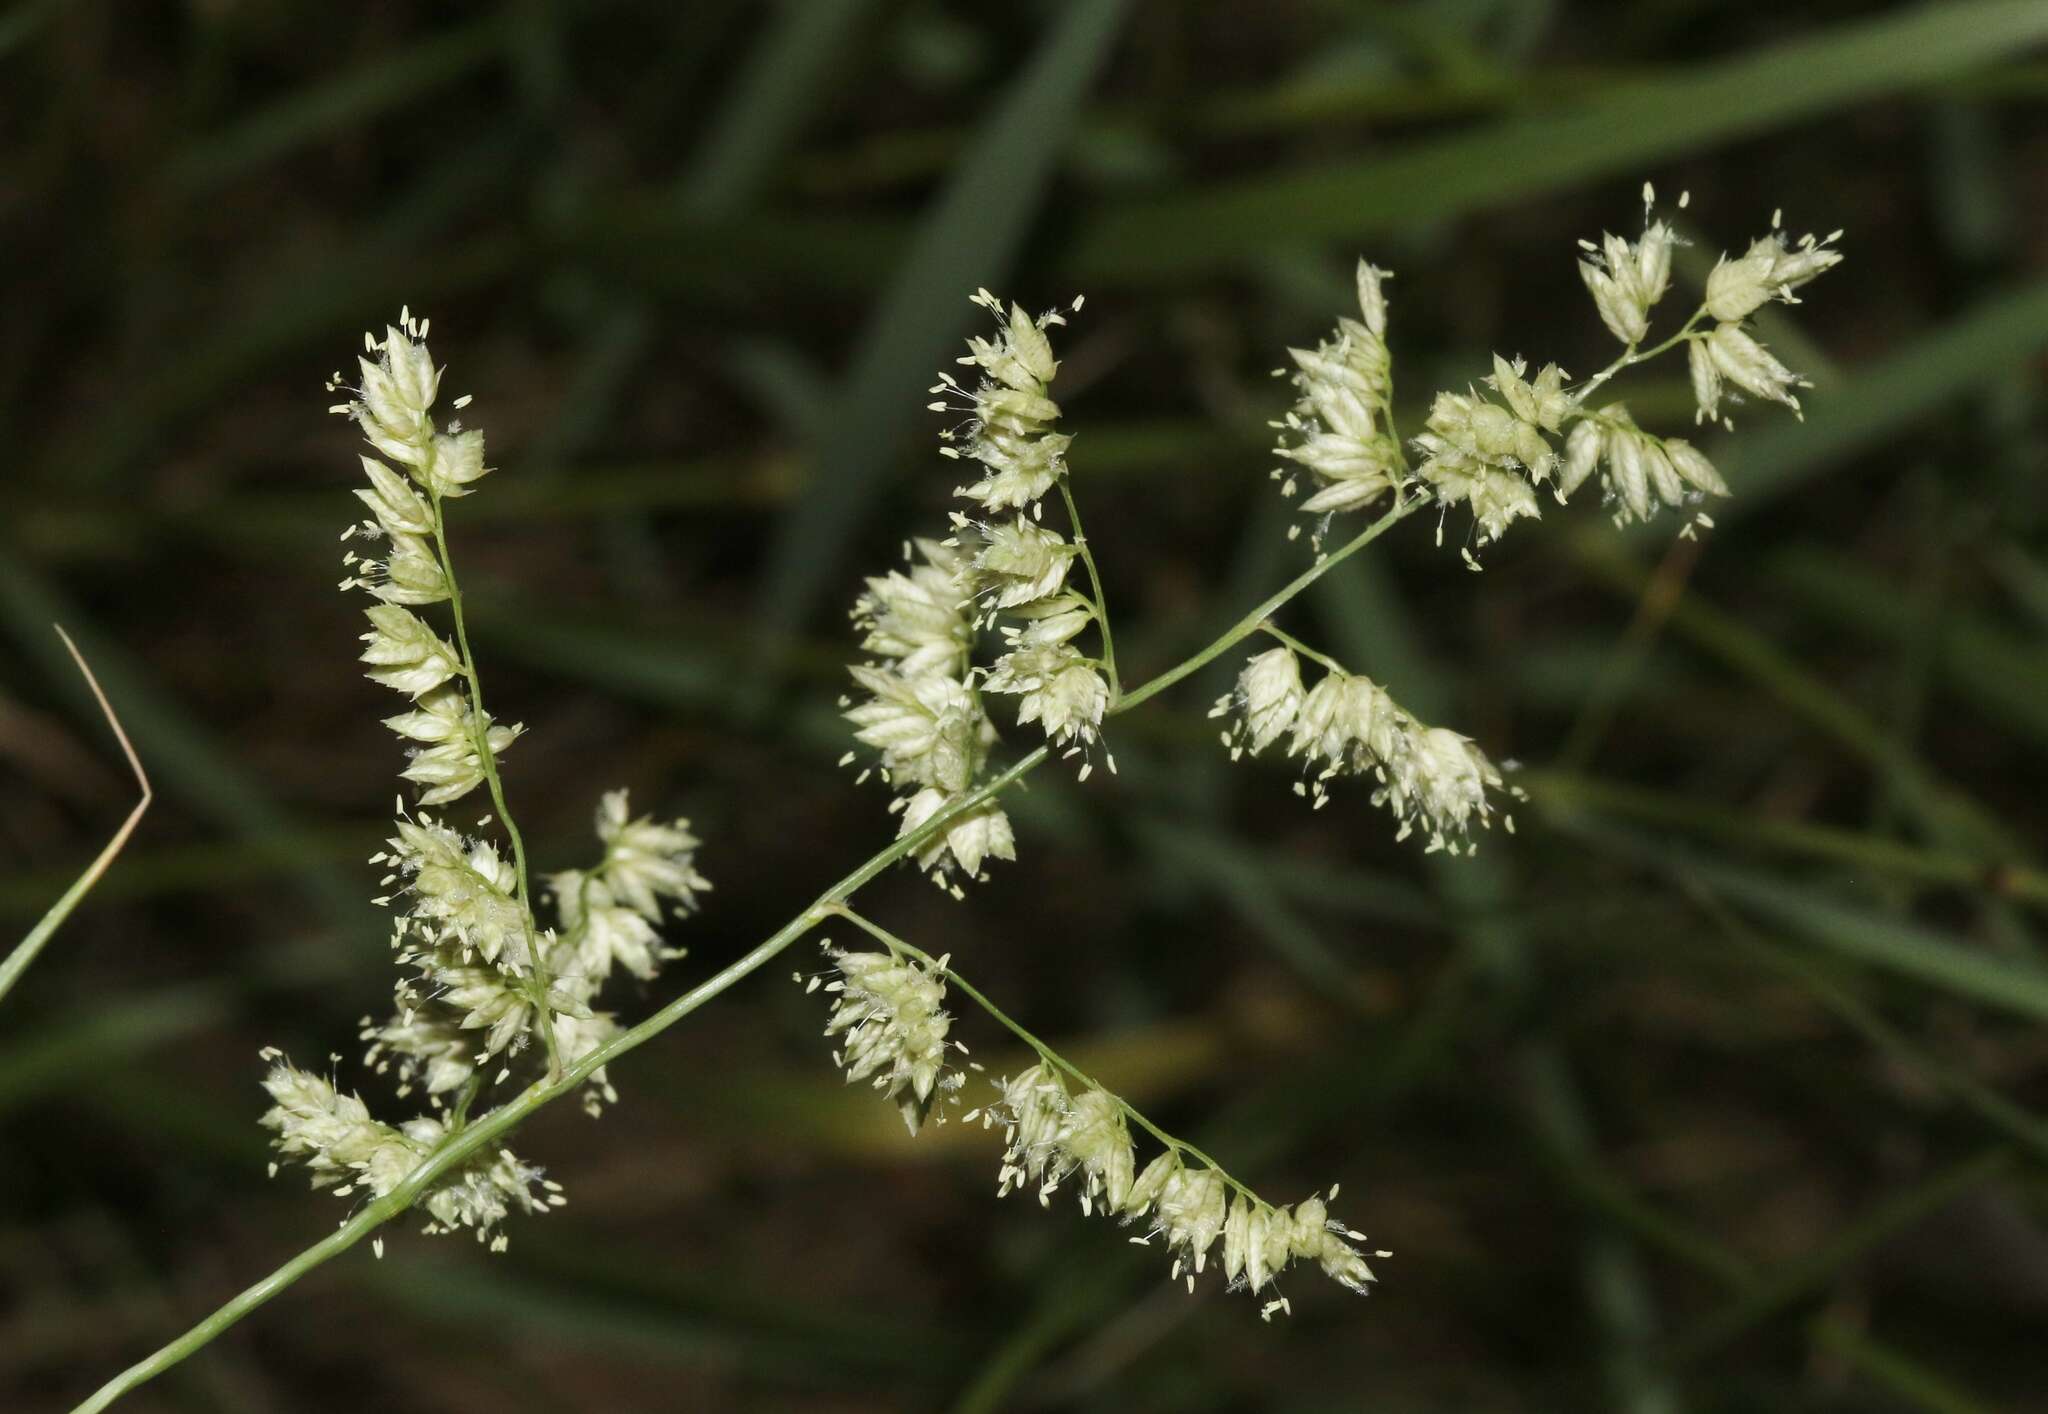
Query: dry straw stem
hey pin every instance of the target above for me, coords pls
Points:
(17, 962)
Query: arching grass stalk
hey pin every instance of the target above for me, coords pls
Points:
(484, 979)
(498, 1124)
(1046, 1054)
(477, 729)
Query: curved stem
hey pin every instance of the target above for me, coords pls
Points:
(1250, 623)
(1631, 356)
(1274, 630)
(479, 736)
(1101, 602)
(491, 1128)
(1045, 1053)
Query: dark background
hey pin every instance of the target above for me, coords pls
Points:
(1715, 1088)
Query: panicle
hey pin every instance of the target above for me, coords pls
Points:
(404, 654)
(1010, 428)
(919, 617)
(1052, 1135)
(343, 1148)
(1485, 454)
(484, 1192)
(1267, 700)
(1639, 472)
(928, 730)
(1340, 427)
(1432, 779)
(1057, 686)
(1627, 278)
(888, 1015)
(918, 710)
(332, 1134)
(1733, 355)
(463, 893)
(393, 404)
(969, 838)
(1771, 269)
(611, 918)
(446, 762)
(1021, 562)
(646, 863)
(481, 980)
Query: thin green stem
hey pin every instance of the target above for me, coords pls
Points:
(538, 981)
(1631, 356)
(1252, 622)
(495, 1126)
(476, 1138)
(1045, 1053)
(1101, 603)
(1275, 631)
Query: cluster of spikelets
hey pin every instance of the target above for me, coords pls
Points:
(889, 1025)
(1490, 449)
(482, 985)
(1433, 780)
(891, 1030)
(1490, 452)
(345, 1150)
(921, 707)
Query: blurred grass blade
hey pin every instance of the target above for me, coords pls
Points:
(1803, 1278)
(1883, 1365)
(204, 866)
(414, 69)
(779, 86)
(107, 1034)
(1876, 1361)
(1894, 944)
(17, 962)
(1945, 810)
(1562, 795)
(2000, 672)
(1501, 164)
(970, 239)
(2010, 1119)
(20, 24)
(1236, 878)
(188, 760)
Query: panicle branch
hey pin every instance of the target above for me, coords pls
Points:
(1061, 1127)
(480, 978)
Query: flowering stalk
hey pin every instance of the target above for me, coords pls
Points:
(1055, 1133)
(1095, 586)
(496, 1125)
(488, 973)
(478, 729)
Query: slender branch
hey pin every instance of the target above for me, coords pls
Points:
(1101, 601)
(1045, 1053)
(467, 1143)
(1275, 631)
(1631, 356)
(538, 981)
(476, 1138)
(17, 961)
(1251, 623)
